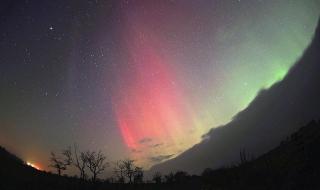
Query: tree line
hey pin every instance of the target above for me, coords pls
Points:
(95, 163)
(294, 164)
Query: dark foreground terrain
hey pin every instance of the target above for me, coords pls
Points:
(294, 164)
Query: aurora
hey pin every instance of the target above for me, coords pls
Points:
(139, 79)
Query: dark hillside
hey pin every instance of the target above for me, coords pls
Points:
(16, 174)
(294, 164)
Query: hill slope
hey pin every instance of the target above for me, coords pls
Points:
(294, 164)
(273, 114)
(15, 174)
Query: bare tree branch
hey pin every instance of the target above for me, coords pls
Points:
(57, 163)
(80, 162)
(96, 163)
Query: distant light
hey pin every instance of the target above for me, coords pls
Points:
(33, 165)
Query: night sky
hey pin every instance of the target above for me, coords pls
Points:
(139, 79)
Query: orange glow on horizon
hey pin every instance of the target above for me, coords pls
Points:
(33, 165)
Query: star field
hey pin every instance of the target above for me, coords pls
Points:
(139, 79)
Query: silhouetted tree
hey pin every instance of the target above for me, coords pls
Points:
(138, 175)
(119, 171)
(128, 169)
(243, 156)
(169, 178)
(80, 162)
(57, 163)
(67, 156)
(180, 176)
(157, 177)
(96, 163)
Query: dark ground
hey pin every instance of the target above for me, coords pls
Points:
(294, 164)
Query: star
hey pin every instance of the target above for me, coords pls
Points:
(51, 28)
